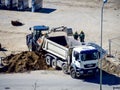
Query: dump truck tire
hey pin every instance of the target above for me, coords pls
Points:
(48, 60)
(54, 64)
(73, 73)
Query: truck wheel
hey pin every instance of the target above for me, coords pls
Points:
(65, 68)
(54, 64)
(48, 60)
(73, 73)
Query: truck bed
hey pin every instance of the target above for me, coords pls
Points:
(56, 46)
(59, 40)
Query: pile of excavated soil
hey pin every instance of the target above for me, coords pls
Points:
(109, 65)
(25, 61)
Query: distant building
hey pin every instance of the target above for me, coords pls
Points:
(22, 4)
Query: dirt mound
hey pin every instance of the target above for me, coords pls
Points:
(24, 61)
(111, 67)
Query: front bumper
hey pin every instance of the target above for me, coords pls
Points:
(80, 72)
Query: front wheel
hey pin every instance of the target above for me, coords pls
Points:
(73, 73)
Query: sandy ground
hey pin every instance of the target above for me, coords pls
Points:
(56, 80)
(77, 14)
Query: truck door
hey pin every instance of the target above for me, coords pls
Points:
(75, 59)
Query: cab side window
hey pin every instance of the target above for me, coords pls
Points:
(76, 55)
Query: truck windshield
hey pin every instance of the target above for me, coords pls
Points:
(89, 55)
(37, 34)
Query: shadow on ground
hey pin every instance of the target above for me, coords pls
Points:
(107, 79)
(3, 49)
(46, 10)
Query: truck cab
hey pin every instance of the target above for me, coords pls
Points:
(84, 61)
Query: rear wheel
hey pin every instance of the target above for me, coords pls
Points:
(73, 73)
(48, 60)
(54, 64)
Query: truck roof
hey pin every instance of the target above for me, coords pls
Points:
(84, 48)
(40, 27)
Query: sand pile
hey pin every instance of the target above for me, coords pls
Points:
(111, 67)
(24, 61)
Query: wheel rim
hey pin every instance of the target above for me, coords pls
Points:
(48, 60)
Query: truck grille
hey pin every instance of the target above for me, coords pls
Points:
(89, 65)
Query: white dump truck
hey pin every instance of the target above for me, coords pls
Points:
(69, 54)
